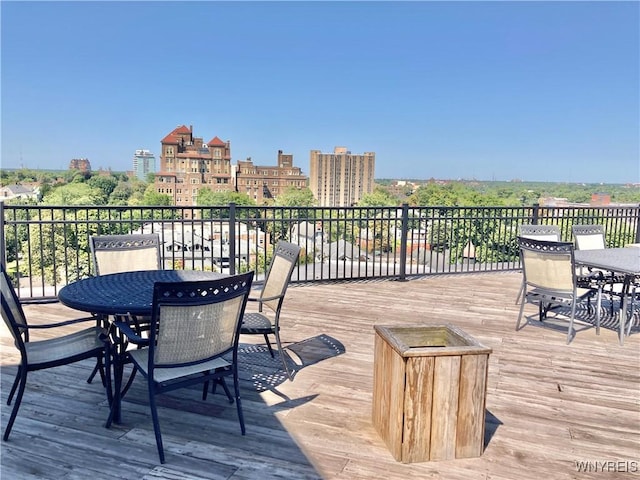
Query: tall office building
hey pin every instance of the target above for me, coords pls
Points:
(340, 179)
(264, 183)
(144, 163)
(188, 164)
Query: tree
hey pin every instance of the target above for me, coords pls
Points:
(75, 194)
(208, 197)
(379, 198)
(296, 197)
(103, 183)
(153, 198)
(121, 194)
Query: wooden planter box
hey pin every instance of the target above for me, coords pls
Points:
(429, 392)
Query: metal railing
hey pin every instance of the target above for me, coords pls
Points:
(47, 246)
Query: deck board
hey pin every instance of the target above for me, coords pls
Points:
(549, 405)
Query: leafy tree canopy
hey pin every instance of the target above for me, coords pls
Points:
(379, 198)
(75, 194)
(153, 198)
(296, 197)
(208, 197)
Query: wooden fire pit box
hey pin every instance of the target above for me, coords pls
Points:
(429, 392)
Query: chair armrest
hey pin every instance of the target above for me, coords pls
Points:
(268, 299)
(62, 324)
(132, 336)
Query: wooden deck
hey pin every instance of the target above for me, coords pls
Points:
(549, 405)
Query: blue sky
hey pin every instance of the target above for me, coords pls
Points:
(540, 91)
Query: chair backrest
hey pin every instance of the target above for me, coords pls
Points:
(588, 237)
(540, 232)
(12, 312)
(125, 253)
(284, 260)
(198, 320)
(548, 265)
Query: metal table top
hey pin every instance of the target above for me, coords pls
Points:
(126, 292)
(619, 260)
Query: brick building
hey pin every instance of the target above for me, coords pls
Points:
(263, 183)
(187, 164)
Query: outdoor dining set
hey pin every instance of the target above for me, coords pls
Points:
(180, 328)
(557, 273)
(176, 328)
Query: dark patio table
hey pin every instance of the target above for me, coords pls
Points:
(122, 295)
(625, 261)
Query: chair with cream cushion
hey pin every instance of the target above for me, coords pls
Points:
(549, 279)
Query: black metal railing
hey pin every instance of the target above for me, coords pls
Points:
(47, 246)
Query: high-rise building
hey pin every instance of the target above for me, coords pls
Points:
(340, 179)
(262, 183)
(144, 163)
(188, 164)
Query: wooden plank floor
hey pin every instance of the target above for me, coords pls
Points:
(549, 405)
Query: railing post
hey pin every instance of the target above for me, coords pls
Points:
(232, 238)
(3, 244)
(403, 242)
(637, 240)
(536, 213)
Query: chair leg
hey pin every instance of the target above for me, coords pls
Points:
(598, 306)
(15, 385)
(283, 355)
(236, 388)
(520, 292)
(266, 339)
(22, 380)
(225, 388)
(570, 333)
(156, 425)
(524, 300)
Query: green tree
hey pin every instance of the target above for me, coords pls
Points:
(121, 194)
(379, 198)
(153, 198)
(75, 194)
(296, 197)
(103, 183)
(208, 197)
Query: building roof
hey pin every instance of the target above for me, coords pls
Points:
(174, 135)
(216, 141)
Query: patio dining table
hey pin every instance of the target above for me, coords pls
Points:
(624, 261)
(121, 295)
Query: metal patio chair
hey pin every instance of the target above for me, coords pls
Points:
(125, 253)
(538, 232)
(48, 353)
(195, 329)
(592, 237)
(549, 279)
(266, 321)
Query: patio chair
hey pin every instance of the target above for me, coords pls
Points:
(549, 279)
(43, 354)
(125, 253)
(272, 295)
(196, 327)
(538, 232)
(592, 237)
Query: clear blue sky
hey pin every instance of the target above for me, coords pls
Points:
(544, 91)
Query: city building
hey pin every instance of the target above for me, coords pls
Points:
(144, 163)
(188, 164)
(263, 183)
(82, 164)
(340, 179)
